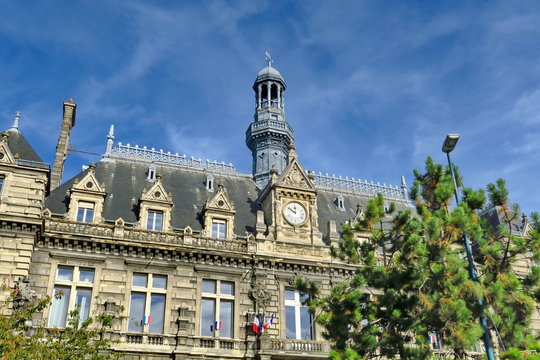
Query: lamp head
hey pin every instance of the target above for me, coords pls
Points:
(450, 142)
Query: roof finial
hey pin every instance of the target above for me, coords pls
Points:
(110, 140)
(15, 125)
(268, 58)
(404, 188)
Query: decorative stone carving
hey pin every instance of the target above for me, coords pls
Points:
(23, 293)
(295, 178)
(259, 291)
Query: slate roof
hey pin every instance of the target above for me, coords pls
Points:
(18, 145)
(125, 180)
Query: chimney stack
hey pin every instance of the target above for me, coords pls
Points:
(68, 122)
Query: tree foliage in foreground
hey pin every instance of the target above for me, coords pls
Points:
(79, 340)
(421, 286)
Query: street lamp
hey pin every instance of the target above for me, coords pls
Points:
(449, 145)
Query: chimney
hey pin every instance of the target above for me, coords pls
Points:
(68, 122)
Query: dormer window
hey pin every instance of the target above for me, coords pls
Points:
(152, 170)
(85, 211)
(2, 178)
(86, 198)
(340, 203)
(219, 229)
(154, 220)
(210, 183)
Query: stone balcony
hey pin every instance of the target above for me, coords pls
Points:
(294, 348)
(134, 236)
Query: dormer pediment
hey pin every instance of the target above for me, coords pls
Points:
(5, 153)
(157, 193)
(89, 183)
(220, 202)
(527, 228)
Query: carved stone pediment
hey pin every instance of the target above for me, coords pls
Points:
(295, 176)
(157, 193)
(89, 183)
(220, 202)
(5, 153)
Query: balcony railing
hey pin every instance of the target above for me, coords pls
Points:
(304, 346)
(134, 235)
(213, 343)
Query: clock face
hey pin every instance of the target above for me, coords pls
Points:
(294, 213)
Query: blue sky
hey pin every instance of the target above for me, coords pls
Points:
(373, 86)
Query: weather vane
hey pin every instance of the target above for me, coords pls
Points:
(268, 58)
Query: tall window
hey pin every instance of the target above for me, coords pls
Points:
(147, 305)
(2, 178)
(85, 211)
(154, 220)
(75, 286)
(217, 308)
(297, 318)
(219, 229)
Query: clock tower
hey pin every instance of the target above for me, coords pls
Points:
(289, 203)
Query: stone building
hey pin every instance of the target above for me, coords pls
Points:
(193, 250)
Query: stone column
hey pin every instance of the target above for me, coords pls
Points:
(269, 92)
(259, 95)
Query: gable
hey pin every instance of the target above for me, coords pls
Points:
(220, 201)
(5, 153)
(88, 183)
(295, 176)
(156, 193)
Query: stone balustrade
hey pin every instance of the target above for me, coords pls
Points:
(127, 235)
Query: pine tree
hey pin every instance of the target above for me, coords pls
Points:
(412, 282)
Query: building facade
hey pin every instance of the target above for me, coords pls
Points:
(194, 251)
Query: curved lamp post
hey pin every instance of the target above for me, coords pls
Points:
(449, 145)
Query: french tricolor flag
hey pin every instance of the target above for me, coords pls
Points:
(217, 325)
(268, 323)
(145, 320)
(256, 324)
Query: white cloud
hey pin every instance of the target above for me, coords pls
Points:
(527, 109)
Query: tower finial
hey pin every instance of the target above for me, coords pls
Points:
(110, 140)
(404, 188)
(268, 58)
(15, 125)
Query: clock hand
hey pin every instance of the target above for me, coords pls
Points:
(293, 210)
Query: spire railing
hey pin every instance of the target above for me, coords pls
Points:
(332, 182)
(167, 158)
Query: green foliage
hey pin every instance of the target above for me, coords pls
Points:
(19, 340)
(412, 278)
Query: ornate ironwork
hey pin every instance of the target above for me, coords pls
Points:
(167, 158)
(332, 182)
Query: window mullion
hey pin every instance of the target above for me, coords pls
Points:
(297, 321)
(218, 313)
